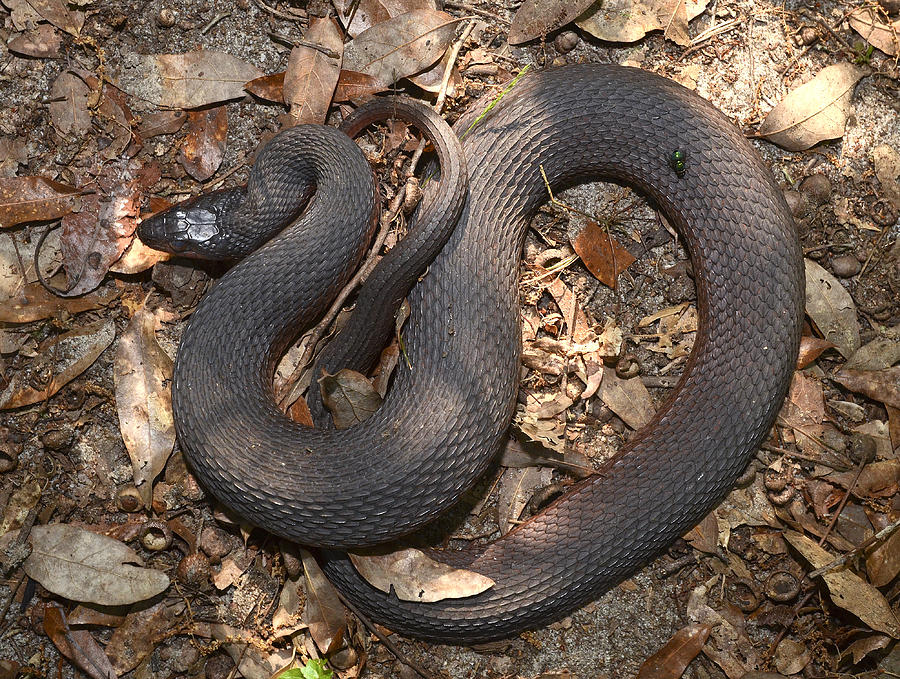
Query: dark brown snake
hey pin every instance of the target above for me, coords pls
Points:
(446, 416)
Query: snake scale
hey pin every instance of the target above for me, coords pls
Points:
(446, 417)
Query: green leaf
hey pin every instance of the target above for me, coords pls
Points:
(315, 669)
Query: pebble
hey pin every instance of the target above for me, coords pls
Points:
(796, 203)
(566, 41)
(816, 188)
(845, 266)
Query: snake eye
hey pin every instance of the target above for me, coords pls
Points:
(178, 244)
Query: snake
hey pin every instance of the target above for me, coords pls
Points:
(448, 410)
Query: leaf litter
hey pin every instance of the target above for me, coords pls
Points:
(571, 356)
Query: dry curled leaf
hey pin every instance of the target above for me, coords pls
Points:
(143, 373)
(140, 633)
(815, 111)
(414, 576)
(832, 309)
(353, 86)
(517, 486)
(84, 566)
(187, 80)
(401, 46)
(847, 589)
(76, 644)
(312, 74)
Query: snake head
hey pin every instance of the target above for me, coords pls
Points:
(194, 228)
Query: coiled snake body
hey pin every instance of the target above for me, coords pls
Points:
(444, 418)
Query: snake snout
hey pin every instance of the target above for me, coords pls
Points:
(192, 228)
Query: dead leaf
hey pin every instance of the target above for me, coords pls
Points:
(883, 559)
(877, 479)
(286, 619)
(629, 399)
(56, 13)
(401, 46)
(268, 87)
(705, 535)
(19, 504)
(203, 149)
(189, 80)
(631, 20)
(887, 169)
(879, 385)
(601, 253)
(804, 411)
(161, 122)
(847, 589)
(815, 111)
(517, 454)
(831, 308)
(95, 237)
(64, 358)
(672, 660)
(324, 614)
(810, 349)
(84, 566)
(143, 374)
(353, 86)
(250, 661)
(76, 645)
(32, 199)
(371, 12)
(36, 303)
(42, 41)
(516, 489)
(860, 648)
(874, 31)
(312, 74)
(350, 397)
(138, 257)
(135, 639)
(69, 104)
(414, 576)
(537, 18)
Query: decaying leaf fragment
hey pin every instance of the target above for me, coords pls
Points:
(84, 566)
(880, 385)
(76, 644)
(143, 373)
(203, 149)
(350, 396)
(672, 660)
(815, 111)
(832, 309)
(64, 358)
(875, 31)
(629, 399)
(848, 590)
(415, 576)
